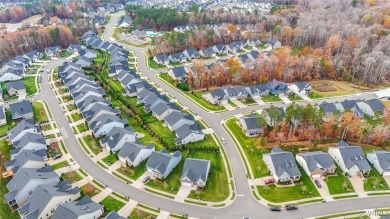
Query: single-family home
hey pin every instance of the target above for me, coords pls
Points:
(381, 161)
(316, 164)
(99, 20)
(277, 87)
(178, 73)
(138, 34)
(191, 53)
(188, 134)
(250, 125)
(233, 47)
(161, 59)
(27, 159)
(216, 97)
(23, 127)
(52, 51)
(30, 142)
(125, 22)
(162, 110)
(254, 42)
(177, 58)
(207, 52)
(33, 55)
(161, 163)
(372, 108)
(75, 48)
(117, 137)
(25, 181)
(350, 159)
(175, 120)
(195, 172)
(258, 91)
(301, 88)
(133, 153)
(45, 199)
(16, 88)
(10, 74)
(88, 53)
(273, 43)
(105, 123)
(21, 110)
(113, 215)
(220, 49)
(3, 118)
(83, 61)
(282, 165)
(83, 208)
(353, 107)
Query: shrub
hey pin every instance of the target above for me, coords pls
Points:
(183, 86)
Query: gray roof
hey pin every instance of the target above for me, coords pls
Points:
(131, 150)
(328, 107)
(162, 58)
(159, 160)
(20, 109)
(176, 56)
(249, 122)
(24, 157)
(174, 117)
(195, 169)
(284, 162)
(376, 105)
(105, 119)
(114, 215)
(23, 125)
(43, 195)
(353, 155)
(317, 159)
(208, 51)
(179, 71)
(161, 108)
(73, 210)
(29, 138)
(186, 130)
(115, 135)
(99, 108)
(2, 113)
(218, 94)
(272, 41)
(15, 85)
(192, 52)
(383, 159)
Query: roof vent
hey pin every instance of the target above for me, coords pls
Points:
(84, 207)
(287, 164)
(356, 158)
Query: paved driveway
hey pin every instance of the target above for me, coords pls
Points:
(324, 190)
(183, 192)
(358, 185)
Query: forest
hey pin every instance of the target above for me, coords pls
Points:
(337, 39)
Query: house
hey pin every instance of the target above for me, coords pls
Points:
(133, 153)
(83, 61)
(105, 123)
(21, 110)
(207, 52)
(381, 161)
(273, 43)
(258, 91)
(241, 44)
(44, 200)
(134, 88)
(33, 55)
(352, 106)
(117, 137)
(233, 47)
(177, 58)
(113, 215)
(372, 108)
(52, 51)
(188, 134)
(75, 48)
(83, 208)
(88, 53)
(178, 73)
(277, 87)
(195, 172)
(249, 125)
(316, 164)
(236, 93)
(350, 159)
(301, 88)
(27, 159)
(29, 141)
(125, 22)
(138, 34)
(23, 127)
(216, 97)
(99, 20)
(161, 59)
(331, 108)
(161, 163)
(162, 110)
(191, 53)
(25, 181)
(220, 49)
(254, 42)
(3, 118)
(175, 120)
(282, 165)
(10, 74)
(271, 121)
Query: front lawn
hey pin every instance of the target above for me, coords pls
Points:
(31, 87)
(92, 144)
(249, 146)
(375, 182)
(76, 117)
(5, 210)
(82, 127)
(133, 172)
(271, 98)
(153, 65)
(65, 54)
(60, 165)
(302, 190)
(110, 159)
(338, 184)
(140, 214)
(315, 95)
(294, 98)
(39, 112)
(111, 204)
(232, 104)
(71, 107)
(72, 176)
(248, 101)
(89, 189)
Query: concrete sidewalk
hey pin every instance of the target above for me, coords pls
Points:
(102, 195)
(126, 210)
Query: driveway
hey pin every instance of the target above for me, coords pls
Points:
(239, 103)
(387, 179)
(324, 190)
(183, 192)
(358, 185)
(259, 101)
(285, 99)
(138, 183)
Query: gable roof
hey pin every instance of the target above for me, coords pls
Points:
(176, 116)
(383, 159)
(376, 105)
(283, 162)
(29, 138)
(105, 119)
(353, 155)
(15, 85)
(21, 108)
(115, 135)
(195, 169)
(114, 215)
(317, 160)
(73, 210)
(162, 58)
(131, 150)
(249, 122)
(24, 157)
(23, 125)
(160, 160)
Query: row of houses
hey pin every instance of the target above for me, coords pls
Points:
(35, 190)
(350, 159)
(14, 69)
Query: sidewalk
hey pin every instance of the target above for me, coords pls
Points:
(126, 210)
(102, 195)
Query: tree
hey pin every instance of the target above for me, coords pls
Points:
(273, 114)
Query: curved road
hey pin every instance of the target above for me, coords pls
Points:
(244, 205)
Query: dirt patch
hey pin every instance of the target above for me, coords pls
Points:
(324, 86)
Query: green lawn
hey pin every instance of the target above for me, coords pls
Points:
(315, 95)
(375, 182)
(72, 176)
(82, 128)
(89, 189)
(248, 101)
(39, 112)
(10, 124)
(65, 54)
(140, 214)
(111, 204)
(153, 65)
(232, 104)
(271, 98)
(110, 159)
(254, 154)
(5, 210)
(294, 98)
(133, 172)
(71, 107)
(31, 87)
(304, 189)
(76, 117)
(60, 165)
(339, 184)
(172, 183)
(92, 144)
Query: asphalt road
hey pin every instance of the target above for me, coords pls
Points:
(244, 205)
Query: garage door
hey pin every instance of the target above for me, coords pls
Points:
(386, 174)
(316, 176)
(183, 183)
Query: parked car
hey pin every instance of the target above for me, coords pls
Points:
(223, 140)
(291, 207)
(57, 156)
(146, 179)
(318, 184)
(275, 209)
(269, 181)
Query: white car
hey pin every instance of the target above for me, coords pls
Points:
(223, 140)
